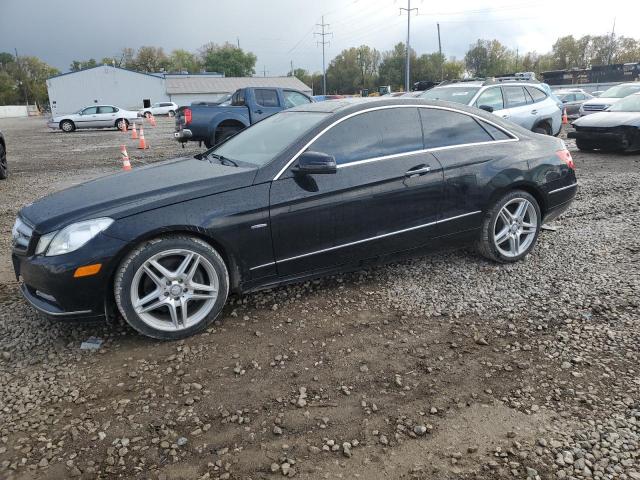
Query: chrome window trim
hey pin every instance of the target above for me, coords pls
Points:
(563, 188)
(384, 235)
(514, 138)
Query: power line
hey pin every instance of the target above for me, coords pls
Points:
(408, 60)
(323, 42)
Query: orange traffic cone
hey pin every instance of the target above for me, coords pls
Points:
(152, 120)
(142, 145)
(565, 119)
(126, 164)
(134, 132)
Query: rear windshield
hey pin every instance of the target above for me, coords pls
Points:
(451, 94)
(620, 91)
(263, 141)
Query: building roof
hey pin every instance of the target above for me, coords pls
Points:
(156, 75)
(204, 84)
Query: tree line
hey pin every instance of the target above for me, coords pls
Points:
(23, 79)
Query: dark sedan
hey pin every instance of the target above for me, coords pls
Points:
(317, 189)
(615, 129)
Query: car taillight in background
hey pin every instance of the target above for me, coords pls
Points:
(565, 156)
(187, 116)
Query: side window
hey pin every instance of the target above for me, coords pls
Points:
(372, 134)
(90, 111)
(491, 97)
(106, 110)
(443, 128)
(267, 98)
(536, 94)
(292, 99)
(514, 96)
(580, 96)
(495, 132)
(237, 100)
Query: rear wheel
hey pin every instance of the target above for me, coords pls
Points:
(147, 114)
(67, 126)
(172, 113)
(4, 170)
(171, 287)
(510, 228)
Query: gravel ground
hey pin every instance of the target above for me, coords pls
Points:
(442, 367)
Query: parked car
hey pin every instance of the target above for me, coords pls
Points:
(321, 188)
(214, 124)
(572, 100)
(609, 97)
(597, 93)
(160, 108)
(4, 169)
(524, 102)
(96, 116)
(617, 128)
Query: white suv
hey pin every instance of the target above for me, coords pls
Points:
(608, 98)
(160, 108)
(526, 103)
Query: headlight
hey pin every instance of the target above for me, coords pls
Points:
(72, 237)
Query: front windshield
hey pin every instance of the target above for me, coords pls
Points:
(620, 91)
(629, 104)
(451, 94)
(260, 143)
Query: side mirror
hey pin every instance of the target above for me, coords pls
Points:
(486, 108)
(564, 101)
(316, 162)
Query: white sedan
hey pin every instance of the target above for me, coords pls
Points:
(160, 108)
(97, 116)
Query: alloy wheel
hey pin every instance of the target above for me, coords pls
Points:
(174, 290)
(515, 227)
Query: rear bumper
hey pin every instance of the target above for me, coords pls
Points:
(183, 135)
(560, 199)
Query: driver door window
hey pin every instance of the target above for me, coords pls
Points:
(491, 97)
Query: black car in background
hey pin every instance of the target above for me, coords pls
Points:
(320, 188)
(4, 170)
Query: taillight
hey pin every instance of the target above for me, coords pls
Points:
(187, 116)
(565, 156)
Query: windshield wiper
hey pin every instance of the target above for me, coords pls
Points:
(223, 160)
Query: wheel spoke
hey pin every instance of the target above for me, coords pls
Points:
(152, 306)
(193, 269)
(147, 298)
(502, 235)
(202, 296)
(521, 210)
(528, 228)
(184, 265)
(163, 271)
(173, 311)
(202, 287)
(506, 217)
(153, 276)
(183, 311)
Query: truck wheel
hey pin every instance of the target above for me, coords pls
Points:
(226, 133)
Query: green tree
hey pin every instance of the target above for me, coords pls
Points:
(151, 59)
(487, 58)
(392, 66)
(627, 50)
(227, 59)
(352, 70)
(183, 60)
(78, 65)
(6, 59)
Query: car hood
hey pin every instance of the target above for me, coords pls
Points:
(609, 119)
(132, 192)
(601, 100)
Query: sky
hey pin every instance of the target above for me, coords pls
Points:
(282, 31)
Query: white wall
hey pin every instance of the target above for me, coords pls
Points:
(103, 85)
(8, 111)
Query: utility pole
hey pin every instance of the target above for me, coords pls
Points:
(24, 85)
(264, 70)
(613, 36)
(292, 72)
(517, 54)
(323, 42)
(440, 52)
(408, 60)
(238, 41)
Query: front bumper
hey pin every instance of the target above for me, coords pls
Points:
(53, 125)
(183, 135)
(612, 139)
(49, 285)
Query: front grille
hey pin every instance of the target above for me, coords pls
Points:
(594, 107)
(21, 235)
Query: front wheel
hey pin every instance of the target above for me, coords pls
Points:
(171, 287)
(172, 113)
(67, 126)
(510, 227)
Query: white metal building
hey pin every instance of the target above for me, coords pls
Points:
(105, 84)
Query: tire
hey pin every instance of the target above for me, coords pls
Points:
(4, 170)
(147, 114)
(585, 146)
(543, 128)
(167, 289)
(496, 221)
(67, 126)
(119, 123)
(172, 113)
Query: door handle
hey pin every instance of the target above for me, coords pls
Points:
(505, 116)
(415, 172)
(533, 112)
(259, 112)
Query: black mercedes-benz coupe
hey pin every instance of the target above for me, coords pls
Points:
(317, 189)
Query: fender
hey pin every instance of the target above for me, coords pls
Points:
(223, 116)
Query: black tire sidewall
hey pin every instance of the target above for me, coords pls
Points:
(491, 218)
(129, 266)
(69, 122)
(4, 169)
